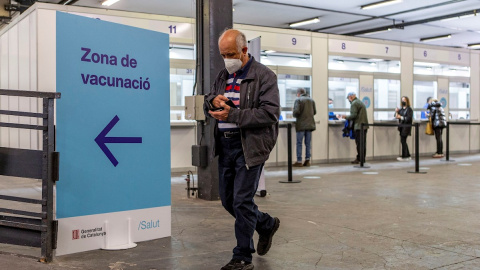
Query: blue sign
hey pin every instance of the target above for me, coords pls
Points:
(443, 101)
(113, 124)
(366, 101)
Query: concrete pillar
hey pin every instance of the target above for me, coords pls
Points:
(213, 17)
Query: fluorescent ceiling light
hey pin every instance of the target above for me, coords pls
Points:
(426, 64)
(297, 24)
(270, 51)
(458, 17)
(377, 32)
(109, 2)
(474, 46)
(380, 4)
(428, 39)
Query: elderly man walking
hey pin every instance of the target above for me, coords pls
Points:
(244, 137)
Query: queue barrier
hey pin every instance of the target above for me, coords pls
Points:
(417, 152)
(289, 146)
(447, 148)
(25, 228)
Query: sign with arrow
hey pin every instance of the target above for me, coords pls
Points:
(102, 139)
(113, 132)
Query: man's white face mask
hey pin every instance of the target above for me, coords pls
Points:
(232, 65)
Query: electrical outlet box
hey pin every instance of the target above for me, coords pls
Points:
(199, 155)
(194, 108)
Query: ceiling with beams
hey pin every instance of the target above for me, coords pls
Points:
(408, 21)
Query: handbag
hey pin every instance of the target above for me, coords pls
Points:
(429, 128)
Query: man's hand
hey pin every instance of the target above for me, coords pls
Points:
(216, 102)
(221, 115)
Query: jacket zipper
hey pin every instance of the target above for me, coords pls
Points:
(241, 137)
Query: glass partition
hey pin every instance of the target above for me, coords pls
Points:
(386, 98)
(338, 88)
(182, 52)
(272, 58)
(424, 68)
(287, 86)
(363, 64)
(422, 90)
(459, 100)
(181, 85)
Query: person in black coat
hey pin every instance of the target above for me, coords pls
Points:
(405, 119)
(439, 122)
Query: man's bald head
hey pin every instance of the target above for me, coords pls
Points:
(232, 44)
(232, 35)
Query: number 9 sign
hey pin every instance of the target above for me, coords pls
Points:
(294, 41)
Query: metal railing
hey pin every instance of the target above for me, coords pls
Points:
(417, 152)
(447, 150)
(35, 229)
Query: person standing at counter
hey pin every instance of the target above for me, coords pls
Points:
(358, 114)
(304, 109)
(439, 122)
(424, 113)
(405, 119)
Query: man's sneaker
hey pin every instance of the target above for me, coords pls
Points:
(297, 164)
(356, 161)
(404, 159)
(436, 155)
(306, 163)
(265, 241)
(236, 264)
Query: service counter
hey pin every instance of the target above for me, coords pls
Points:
(382, 142)
(341, 148)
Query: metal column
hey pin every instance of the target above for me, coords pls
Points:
(213, 17)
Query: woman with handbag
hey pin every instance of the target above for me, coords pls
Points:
(439, 122)
(405, 119)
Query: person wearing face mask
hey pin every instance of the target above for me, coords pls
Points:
(405, 119)
(331, 115)
(244, 138)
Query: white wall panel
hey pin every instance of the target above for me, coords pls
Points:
(182, 139)
(320, 96)
(46, 34)
(34, 134)
(13, 83)
(340, 148)
(474, 138)
(24, 78)
(4, 133)
(386, 141)
(46, 55)
(427, 143)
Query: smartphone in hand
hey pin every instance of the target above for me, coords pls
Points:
(231, 104)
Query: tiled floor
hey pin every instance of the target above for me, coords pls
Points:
(343, 220)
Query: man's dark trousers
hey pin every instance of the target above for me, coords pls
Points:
(237, 187)
(357, 142)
